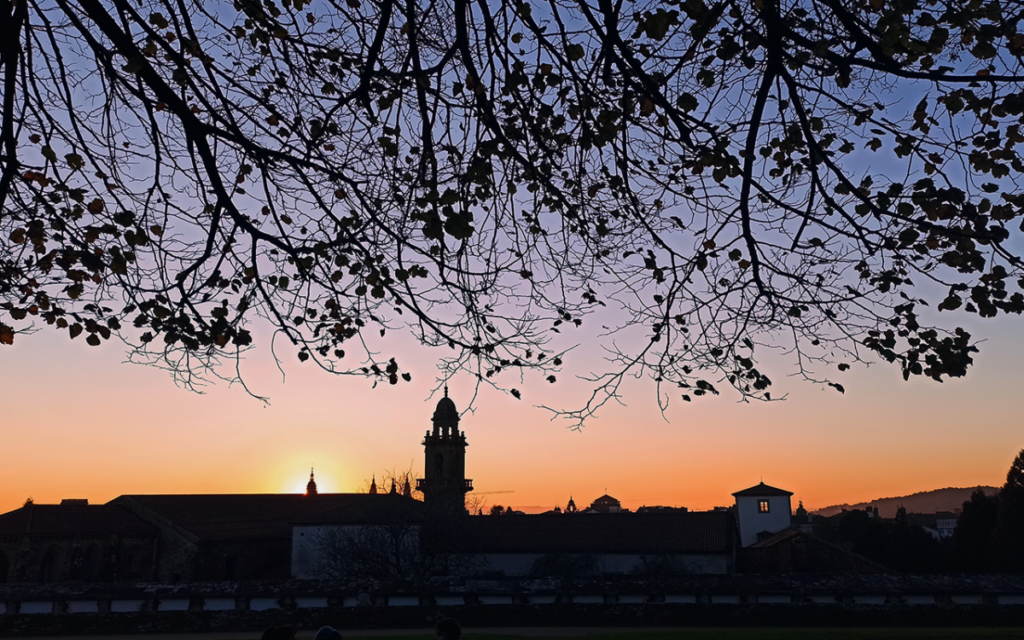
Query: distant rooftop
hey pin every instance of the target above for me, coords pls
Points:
(762, 490)
(72, 518)
(239, 516)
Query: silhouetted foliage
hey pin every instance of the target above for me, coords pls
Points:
(400, 479)
(974, 538)
(990, 530)
(565, 565)
(407, 544)
(661, 566)
(711, 177)
(897, 544)
(1009, 532)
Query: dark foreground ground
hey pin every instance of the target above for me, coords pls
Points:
(673, 633)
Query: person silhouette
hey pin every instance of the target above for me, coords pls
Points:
(282, 632)
(327, 633)
(448, 629)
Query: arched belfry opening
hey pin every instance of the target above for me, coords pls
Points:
(445, 485)
(92, 564)
(48, 567)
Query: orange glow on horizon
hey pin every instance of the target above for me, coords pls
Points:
(91, 427)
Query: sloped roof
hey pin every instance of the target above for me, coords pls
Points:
(381, 508)
(702, 532)
(605, 499)
(762, 490)
(240, 515)
(793, 551)
(72, 519)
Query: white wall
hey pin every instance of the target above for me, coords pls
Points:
(305, 553)
(752, 522)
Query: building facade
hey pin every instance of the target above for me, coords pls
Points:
(184, 538)
(761, 511)
(76, 542)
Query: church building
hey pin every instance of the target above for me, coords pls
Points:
(182, 538)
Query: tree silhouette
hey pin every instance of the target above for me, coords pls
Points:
(990, 531)
(1009, 529)
(406, 541)
(974, 538)
(707, 179)
(897, 544)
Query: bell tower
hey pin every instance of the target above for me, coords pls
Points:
(444, 484)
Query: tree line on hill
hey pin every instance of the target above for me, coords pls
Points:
(989, 536)
(935, 500)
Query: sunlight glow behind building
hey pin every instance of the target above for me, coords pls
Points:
(78, 423)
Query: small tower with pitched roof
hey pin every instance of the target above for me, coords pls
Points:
(761, 511)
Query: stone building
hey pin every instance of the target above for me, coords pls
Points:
(172, 538)
(230, 536)
(615, 543)
(605, 504)
(76, 542)
(444, 484)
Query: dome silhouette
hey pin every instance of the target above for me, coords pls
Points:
(446, 410)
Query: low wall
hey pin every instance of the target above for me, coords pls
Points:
(690, 601)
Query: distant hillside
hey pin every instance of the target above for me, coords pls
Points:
(948, 499)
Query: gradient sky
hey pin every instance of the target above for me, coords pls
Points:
(77, 423)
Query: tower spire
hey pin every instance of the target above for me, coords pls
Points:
(311, 485)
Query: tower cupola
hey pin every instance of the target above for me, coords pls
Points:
(446, 417)
(311, 485)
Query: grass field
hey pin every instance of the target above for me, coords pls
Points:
(570, 633)
(954, 633)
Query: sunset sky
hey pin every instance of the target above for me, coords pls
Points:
(77, 423)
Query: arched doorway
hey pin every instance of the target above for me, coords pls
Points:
(48, 567)
(92, 564)
(129, 560)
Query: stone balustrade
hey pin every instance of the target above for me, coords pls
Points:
(64, 605)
